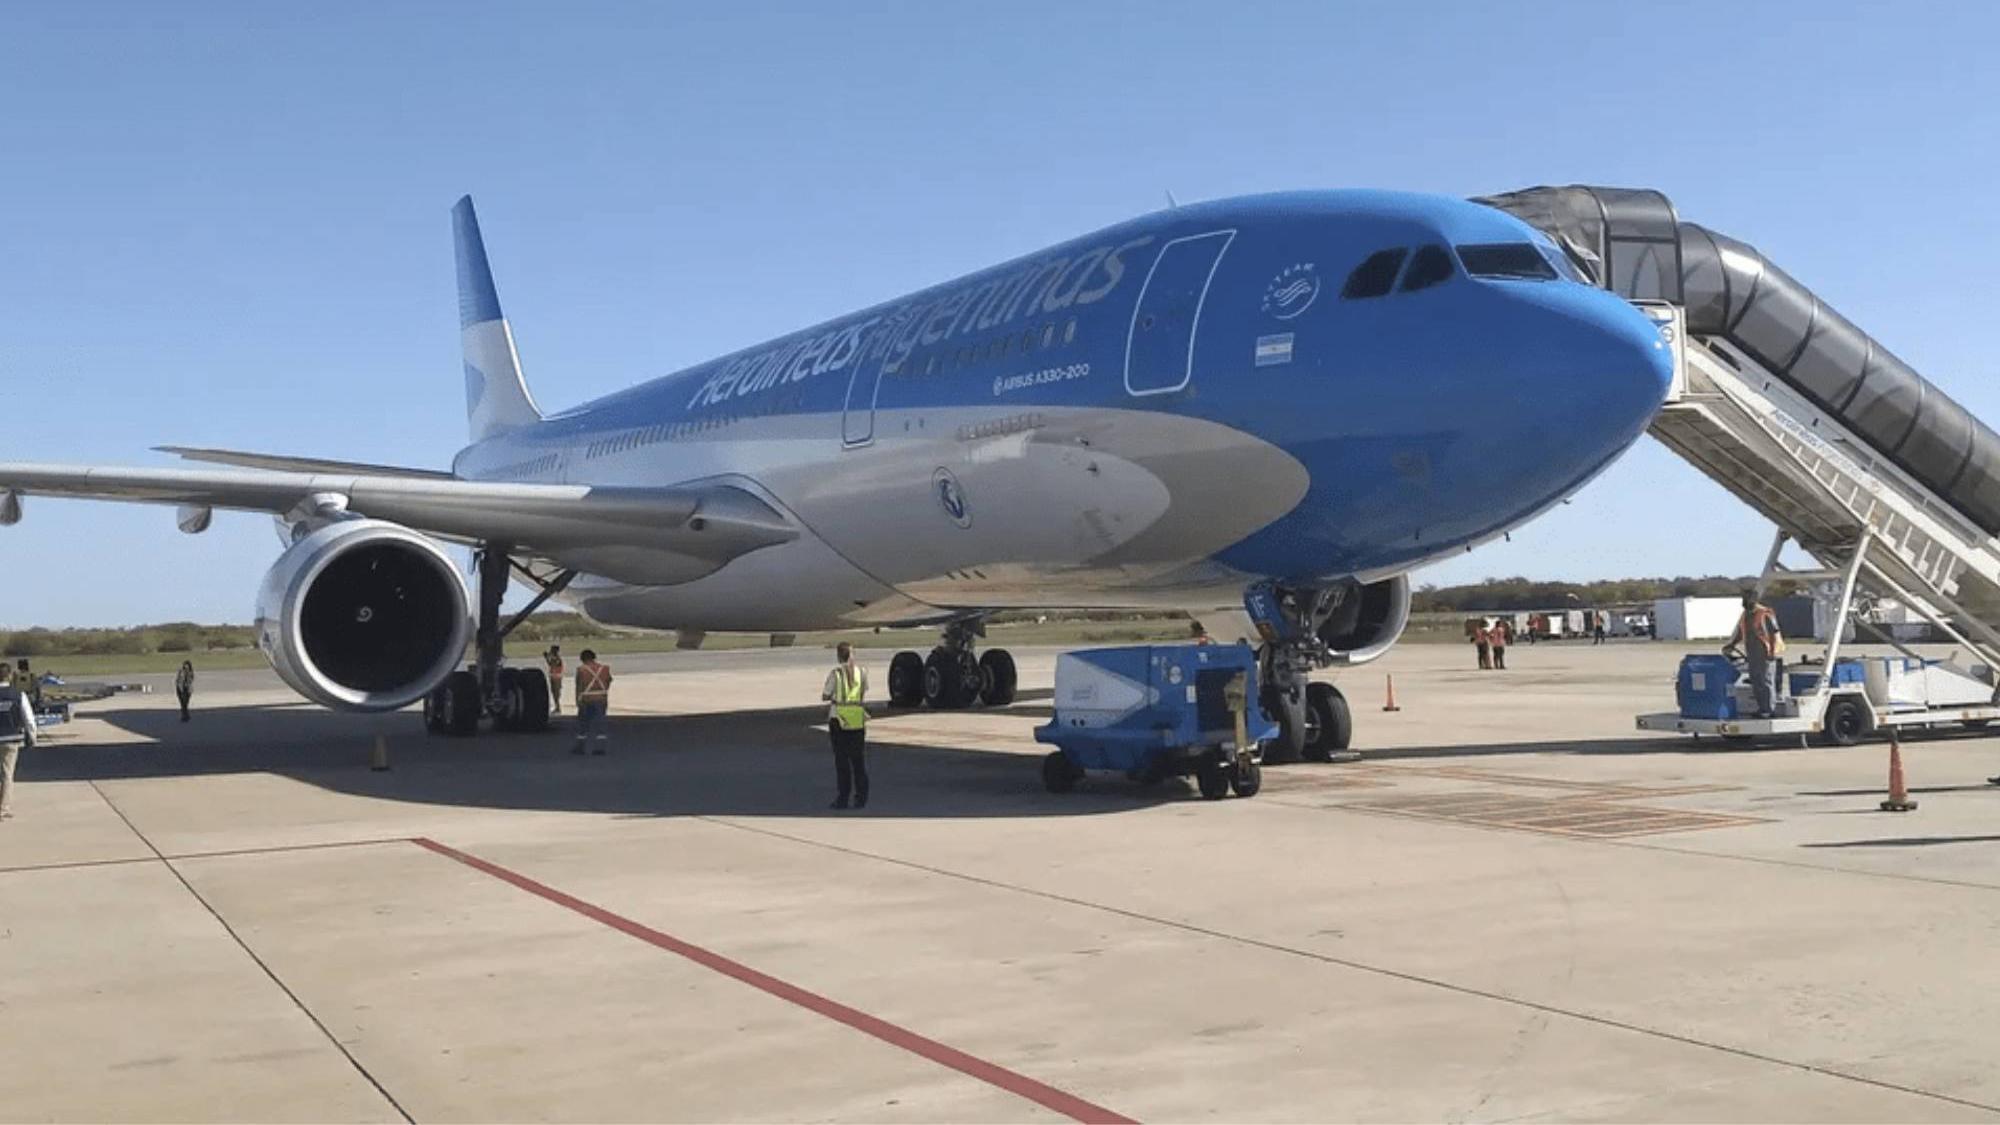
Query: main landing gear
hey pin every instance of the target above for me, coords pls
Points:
(952, 677)
(517, 699)
(1314, 721)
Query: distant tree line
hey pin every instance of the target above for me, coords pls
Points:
(187, 636)
(1524, 594)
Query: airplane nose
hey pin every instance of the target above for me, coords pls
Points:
(1597, 361)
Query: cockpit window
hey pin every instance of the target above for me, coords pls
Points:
(1429, 266)
(1520, 261)
(1376, 274)
(1564, 266)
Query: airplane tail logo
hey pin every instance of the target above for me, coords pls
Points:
(496, 393)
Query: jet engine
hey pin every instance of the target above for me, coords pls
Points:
(363, 615)
(1367, 620)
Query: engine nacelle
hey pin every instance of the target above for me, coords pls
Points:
(363, 615)
(1368, 620)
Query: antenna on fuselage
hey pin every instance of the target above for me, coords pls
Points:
(1172, 203)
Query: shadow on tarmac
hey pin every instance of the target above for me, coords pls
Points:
(744, 763)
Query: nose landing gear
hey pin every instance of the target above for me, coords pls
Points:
(952, 677)
(1314, 722)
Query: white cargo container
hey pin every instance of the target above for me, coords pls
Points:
(1695, 619)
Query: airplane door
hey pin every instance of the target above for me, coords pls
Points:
(857, 417)
(1159, 347)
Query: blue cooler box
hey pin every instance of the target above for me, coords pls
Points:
(1702, 687)
(1844, 672)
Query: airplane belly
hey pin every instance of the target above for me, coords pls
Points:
(792, 587)
(1046, 503)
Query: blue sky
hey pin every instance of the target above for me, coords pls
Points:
(227, 224)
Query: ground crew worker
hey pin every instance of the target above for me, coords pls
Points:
(1483, 641)
(1597, 626)
(554, 659)
(184, 686)
(1498, 638)
(25, 680)
(17, 729)
(1758, 639)
(847, 723)
(593, 699)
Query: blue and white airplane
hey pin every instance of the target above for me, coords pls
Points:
(1277, 403)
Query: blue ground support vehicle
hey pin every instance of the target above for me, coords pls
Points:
(1156, 711)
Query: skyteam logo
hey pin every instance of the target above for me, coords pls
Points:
(951, 497)
(1292, 291)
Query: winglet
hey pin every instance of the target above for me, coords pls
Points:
(496, 393)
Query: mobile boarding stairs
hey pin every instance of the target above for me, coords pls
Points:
(1888, 484)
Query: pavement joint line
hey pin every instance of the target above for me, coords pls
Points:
(1364, 967)
(168, 863)
(1013, 1082)
(158, 857)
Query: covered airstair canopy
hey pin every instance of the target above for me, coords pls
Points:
(1890, 484)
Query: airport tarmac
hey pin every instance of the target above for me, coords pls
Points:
(1513, 908)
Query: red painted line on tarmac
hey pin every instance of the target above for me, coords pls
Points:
(1069, 1105)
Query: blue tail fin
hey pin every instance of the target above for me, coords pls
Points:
(496, 396)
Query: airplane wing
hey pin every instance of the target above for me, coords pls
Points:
(708, 522)
(245, 460)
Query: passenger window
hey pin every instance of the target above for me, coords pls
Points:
(930, 365)
(1520, 261)
(1069, 331)
(1428, 266)
(1048, 335)
(999, 347)
(1376, 274)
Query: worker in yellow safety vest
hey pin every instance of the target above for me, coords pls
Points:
(847, 722)
(593, 698)
(1758, 639)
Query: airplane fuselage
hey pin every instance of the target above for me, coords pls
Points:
(1153, 415)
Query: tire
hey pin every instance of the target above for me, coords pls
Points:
(534, 700)
(1329, 726)
(1058, 775)
(996, 678)
(945, 679)
(1212, 780)
(1845, 723)
(1291, 740)
(434, 711)
(460, 703)
(1246, 779)
(513, 701)
(906, 680)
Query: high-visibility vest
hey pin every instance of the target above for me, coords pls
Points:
(1762, 624)
(593, 683)
(848, 684)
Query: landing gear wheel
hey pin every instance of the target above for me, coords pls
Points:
(1845, 723)
(1246, 779)
(1059, 775)
(534, 700)
(507, 688)
(906, 680)
(951, 679)
(458, 704)
(1213, 781)
(1329, 725)
(1291, 740)
(996, 678)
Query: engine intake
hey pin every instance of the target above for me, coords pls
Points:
(363, 615)
(1368, 620)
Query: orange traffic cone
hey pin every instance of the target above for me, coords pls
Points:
(1899, 795)
(1390, 703)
